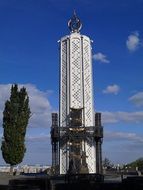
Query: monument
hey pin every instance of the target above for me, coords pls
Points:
(76, 135)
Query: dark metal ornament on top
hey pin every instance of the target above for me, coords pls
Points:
(74, 23)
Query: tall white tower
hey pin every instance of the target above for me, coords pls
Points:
(77, 135)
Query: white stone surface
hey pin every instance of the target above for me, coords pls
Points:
(76, 90)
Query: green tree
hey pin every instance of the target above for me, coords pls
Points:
(15, 120)
(136, 164)
(107, 163)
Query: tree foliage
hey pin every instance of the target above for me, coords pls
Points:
(15, 120)
(136, 164)
(107, 163)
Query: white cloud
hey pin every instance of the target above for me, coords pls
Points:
(39, 104)
(122, 147)
(137, 99)
(133, 42)
(39, 137)
(112, 89)
(110, 135)
(109, 117)
(120, 116)
(101, 57)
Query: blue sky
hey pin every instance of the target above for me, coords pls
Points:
(29, 56)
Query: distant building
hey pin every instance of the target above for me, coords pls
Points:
(25, 169)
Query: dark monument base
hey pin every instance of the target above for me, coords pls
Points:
(74, 182)
(96, 182)
(75, 178)
(30, 183)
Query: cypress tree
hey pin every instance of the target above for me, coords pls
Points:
(15, 120)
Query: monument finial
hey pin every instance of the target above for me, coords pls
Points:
(74, 12)
(74, 23)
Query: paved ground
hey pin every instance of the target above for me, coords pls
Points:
(4, 178)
